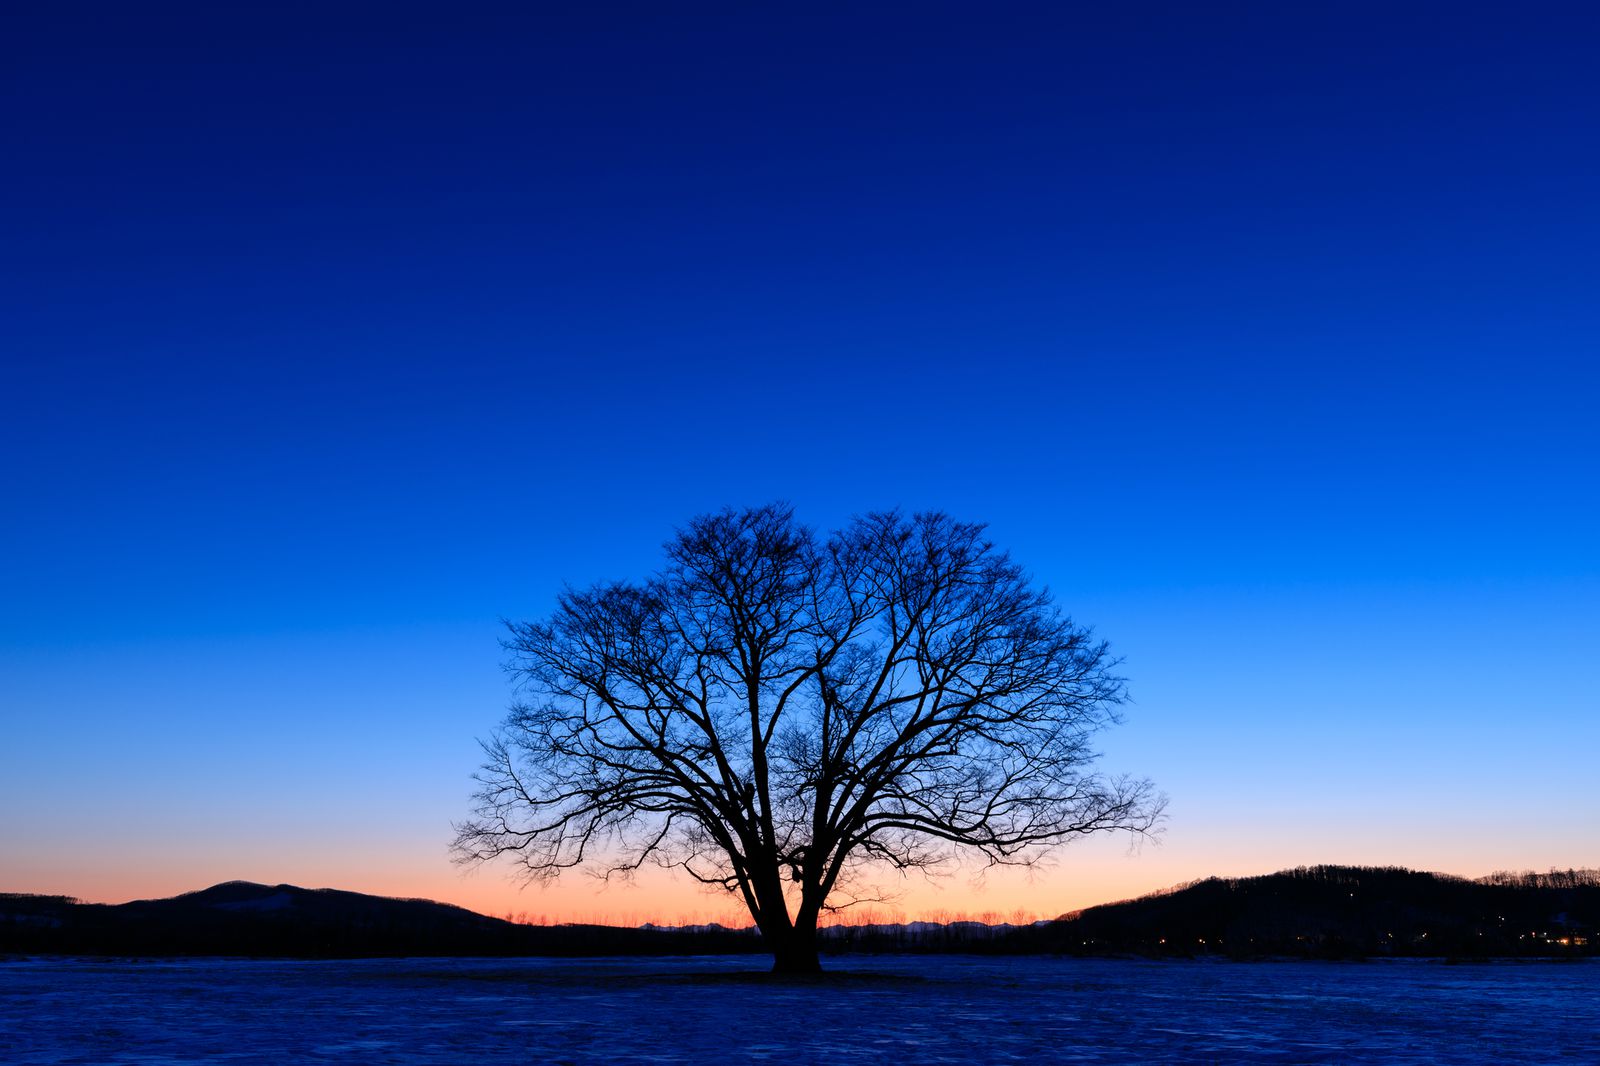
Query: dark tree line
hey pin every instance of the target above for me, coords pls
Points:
(1343, 912)
(1318, 912)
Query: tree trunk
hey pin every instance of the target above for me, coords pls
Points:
(795, 952)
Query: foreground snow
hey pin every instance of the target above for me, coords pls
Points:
(869, 1009)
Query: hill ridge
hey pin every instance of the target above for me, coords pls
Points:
(1310, 911)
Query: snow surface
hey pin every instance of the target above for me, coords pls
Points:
(899, 1009)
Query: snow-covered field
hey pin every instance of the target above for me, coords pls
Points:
(903, 1009)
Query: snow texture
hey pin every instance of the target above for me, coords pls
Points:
(887, 1009)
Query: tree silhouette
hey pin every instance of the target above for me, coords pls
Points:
(775, 712)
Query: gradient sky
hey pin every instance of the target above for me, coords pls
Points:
(1265, 338)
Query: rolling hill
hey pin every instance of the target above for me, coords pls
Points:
(1316, 912)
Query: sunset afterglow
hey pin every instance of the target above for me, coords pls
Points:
(1267, 344)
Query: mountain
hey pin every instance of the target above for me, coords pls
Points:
(243, 918)
(1310, 912)
(1342, 912)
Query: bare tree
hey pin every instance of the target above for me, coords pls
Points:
(775, 713)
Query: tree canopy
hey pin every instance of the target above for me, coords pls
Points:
(775, 712)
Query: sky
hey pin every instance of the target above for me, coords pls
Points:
(1264, 335)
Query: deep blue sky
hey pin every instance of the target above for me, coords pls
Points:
(1266, 338)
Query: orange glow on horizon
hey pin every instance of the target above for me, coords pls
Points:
(1084, 875)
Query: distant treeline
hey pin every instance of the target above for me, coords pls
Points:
(1553, 879)
(1307, 912)
(1310, 912)
(1343, 912)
